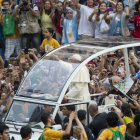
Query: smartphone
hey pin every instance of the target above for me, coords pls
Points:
(116, 97)
(26, 51)
(9, 70)
(110, 55)
(4, 11)
(110, 108)
(10, 65)
(109, 9)
(13, 59)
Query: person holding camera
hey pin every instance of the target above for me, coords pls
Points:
(10, 30)
(29, 27)
(136, 21)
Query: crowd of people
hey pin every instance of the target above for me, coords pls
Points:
(24, 24)
(28, 29)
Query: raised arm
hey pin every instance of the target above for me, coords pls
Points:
(127, 9)
(62, 20)
(78, 5)
(1, 62)
(90, 17)
(112, 2)
(79, 123)
(9, 102)
(16, 11)
(35, 12)
(68, 129)
(120, 119)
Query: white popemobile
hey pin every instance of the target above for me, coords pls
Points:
(47, 82)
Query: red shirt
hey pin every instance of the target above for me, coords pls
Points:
(58, 26)
(136, 32)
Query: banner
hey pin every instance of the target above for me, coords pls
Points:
(124, 85)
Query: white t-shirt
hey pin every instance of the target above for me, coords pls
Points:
(98, 32)
(85, 27)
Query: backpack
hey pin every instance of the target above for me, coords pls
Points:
(42, 135)
(117, 135)
(9, 25)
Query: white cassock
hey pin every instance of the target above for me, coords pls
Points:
(78, 88)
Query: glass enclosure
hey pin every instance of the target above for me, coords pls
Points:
(47, 78)
(24, 113)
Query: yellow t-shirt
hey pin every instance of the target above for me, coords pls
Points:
(107, 134)
(85, 135)
(0, 3)
(49, 45)
(51, 134)
(127, 121)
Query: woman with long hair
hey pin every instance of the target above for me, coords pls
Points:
(46, 15)
(119, 21)
(100, 22)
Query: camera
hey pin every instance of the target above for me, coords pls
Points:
(23, 7)
(9, 70)
(26, 51)
(4, 11)
(25, 2)
(110, 108)
(116, 97)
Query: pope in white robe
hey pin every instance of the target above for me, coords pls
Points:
(78, 88)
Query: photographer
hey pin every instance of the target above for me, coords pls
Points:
(29, 26)
(10, 30)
